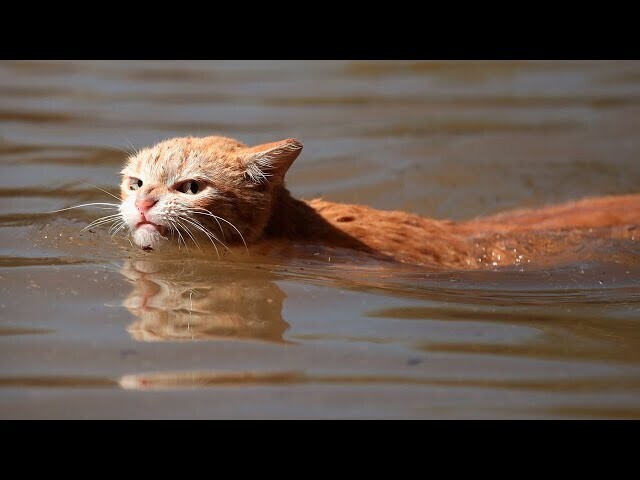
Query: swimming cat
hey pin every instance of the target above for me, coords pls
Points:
(222, 190)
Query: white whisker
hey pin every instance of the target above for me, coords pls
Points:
(114, 215)
(123, 225)
(199, 227)
(219, 225)
(180, 236)
(99, 223)
(101, 220)
(115, 148)
(196, 210)
(135, 151)
(112, 205)
(101, 189)
(116, 226)
(186, 229)
(209, 232)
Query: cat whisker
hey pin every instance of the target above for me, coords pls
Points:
(207, 231)
(121, 227)
(101, 189)
(116, 231)
(107, 217)
(135, 151)
(113, 206)
(220, 227)
(100, 223)
(115, 148)
(186, 229)
(172, 229)
(101, 220)
(197, 211)
(180, 237)
(208, 234)
(215, 217)
(115, 228)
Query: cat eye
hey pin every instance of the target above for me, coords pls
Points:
(134, 183)
(190, 187)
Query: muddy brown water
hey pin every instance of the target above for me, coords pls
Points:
(90, 328)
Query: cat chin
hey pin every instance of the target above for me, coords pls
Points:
(146, 237)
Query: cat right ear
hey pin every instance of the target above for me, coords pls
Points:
(270, 159)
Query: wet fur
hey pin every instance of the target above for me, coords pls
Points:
(246, 187)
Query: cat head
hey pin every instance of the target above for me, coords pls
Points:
(211, 186)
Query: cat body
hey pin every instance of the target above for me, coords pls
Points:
(230, 194)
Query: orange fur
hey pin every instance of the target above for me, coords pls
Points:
(247, 189)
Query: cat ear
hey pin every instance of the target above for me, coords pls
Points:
(271, 159)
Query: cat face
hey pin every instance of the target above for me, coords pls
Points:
(212, 187)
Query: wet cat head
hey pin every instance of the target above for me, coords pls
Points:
(212, 186)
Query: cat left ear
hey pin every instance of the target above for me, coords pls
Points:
(271, 159)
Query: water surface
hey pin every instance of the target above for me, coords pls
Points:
(91, 328)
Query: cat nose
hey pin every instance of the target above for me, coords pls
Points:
(144, 204)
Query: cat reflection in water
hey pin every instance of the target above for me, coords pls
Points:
(196, 304)
(220, 192)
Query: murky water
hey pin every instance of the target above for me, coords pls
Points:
(91, 328)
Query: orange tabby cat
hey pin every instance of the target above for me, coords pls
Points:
(230, 193)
